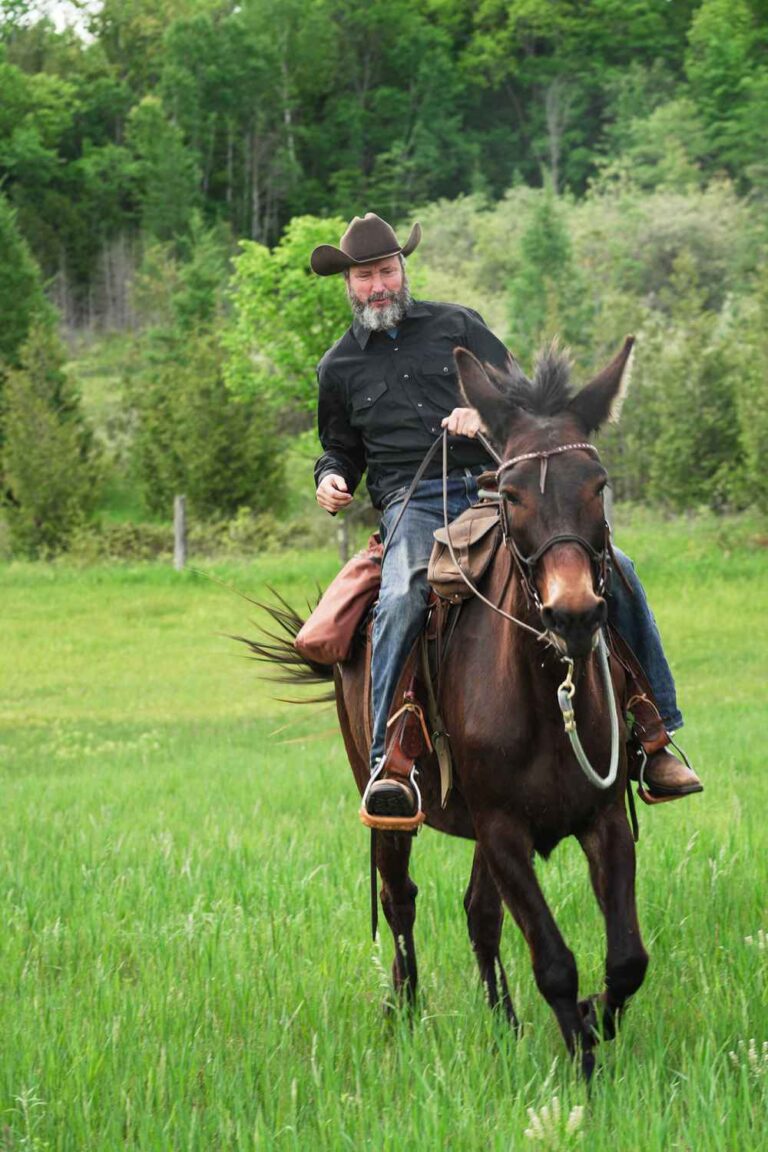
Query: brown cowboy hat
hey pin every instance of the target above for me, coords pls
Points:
(367, 238)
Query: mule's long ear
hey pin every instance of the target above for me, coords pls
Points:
(496, 409)
(602, 398)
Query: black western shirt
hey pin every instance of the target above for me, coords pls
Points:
(382, 400)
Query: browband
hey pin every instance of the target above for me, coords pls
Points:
(544, 456)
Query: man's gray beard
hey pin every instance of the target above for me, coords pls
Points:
(380, 319)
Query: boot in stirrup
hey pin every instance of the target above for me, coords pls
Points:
(391, 802)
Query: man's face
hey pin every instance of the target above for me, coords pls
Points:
(375, 283)
(378, 293)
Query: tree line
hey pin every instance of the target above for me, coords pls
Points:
(258, 111)
(587, 170)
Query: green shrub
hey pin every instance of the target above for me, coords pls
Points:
(244, 536)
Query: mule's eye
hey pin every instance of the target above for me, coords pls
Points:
(511, 497)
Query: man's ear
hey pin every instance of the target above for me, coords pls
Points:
(601, 399)
(496, 410)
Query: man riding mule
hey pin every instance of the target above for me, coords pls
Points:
(386, 390)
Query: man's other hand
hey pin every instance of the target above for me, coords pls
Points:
(463, 422)
(332, 493)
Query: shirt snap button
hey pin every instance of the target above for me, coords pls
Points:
(406, 376)
(445, 369)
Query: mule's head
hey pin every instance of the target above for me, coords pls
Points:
(552, 481)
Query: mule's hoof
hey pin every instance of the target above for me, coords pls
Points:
(588, 1010)
(598, 1020)
(588, 1065)
(400, 1006)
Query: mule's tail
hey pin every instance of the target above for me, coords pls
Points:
(277, 648)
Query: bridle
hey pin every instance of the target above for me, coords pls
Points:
(526, 565)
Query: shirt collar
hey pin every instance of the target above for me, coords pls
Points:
(415, 311)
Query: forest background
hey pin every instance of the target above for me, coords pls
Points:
(166, 166)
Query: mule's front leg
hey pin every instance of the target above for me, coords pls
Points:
(485, 915)
(509, 852)
(610, 850)
(398, 899)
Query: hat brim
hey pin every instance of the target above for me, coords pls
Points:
(326, 260)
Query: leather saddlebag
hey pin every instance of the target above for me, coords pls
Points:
(328, 635)
(475, 536)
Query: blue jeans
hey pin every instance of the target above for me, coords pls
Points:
(401, 611)
(632, 618)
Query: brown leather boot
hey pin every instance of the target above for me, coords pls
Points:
(666, 777)
(392, 801)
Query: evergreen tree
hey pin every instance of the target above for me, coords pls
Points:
(167, 177)
(728, 75)
(21, 293)
(546, 294)
(192, 435)
(50, 464)
(693, 441)
(750, 341)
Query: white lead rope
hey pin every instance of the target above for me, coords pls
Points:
(565, 700)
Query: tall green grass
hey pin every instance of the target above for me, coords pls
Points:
(185, 961)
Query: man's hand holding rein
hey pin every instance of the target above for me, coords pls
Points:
(463, 422)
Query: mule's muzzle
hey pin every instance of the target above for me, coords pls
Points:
(576, 631)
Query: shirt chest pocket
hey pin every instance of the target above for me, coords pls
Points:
(441, 382)
(366, 403)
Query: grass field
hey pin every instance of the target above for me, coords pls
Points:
(185, 961)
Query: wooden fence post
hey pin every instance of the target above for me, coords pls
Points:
(179, 532)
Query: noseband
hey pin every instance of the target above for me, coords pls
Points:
(527, 564)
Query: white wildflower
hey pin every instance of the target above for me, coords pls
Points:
(550, 1128)
(751, 1058)
(760, 941)
(575, 1120)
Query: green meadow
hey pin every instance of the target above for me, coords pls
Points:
(185, 960)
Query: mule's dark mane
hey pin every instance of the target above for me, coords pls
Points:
(550, 390)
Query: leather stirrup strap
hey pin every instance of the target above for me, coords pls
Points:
(440, 740)
(407, 733)
(648, 729)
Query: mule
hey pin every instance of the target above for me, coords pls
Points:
(518, 790)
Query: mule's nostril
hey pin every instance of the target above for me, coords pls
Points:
(547, 617)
